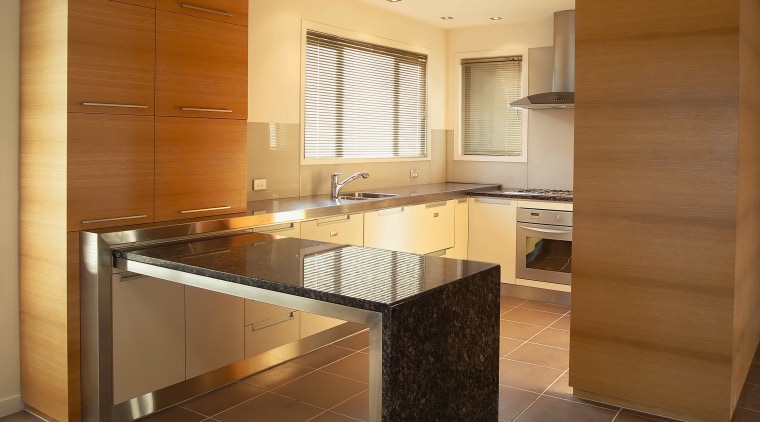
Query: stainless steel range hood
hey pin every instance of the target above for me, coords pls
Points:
(563, 88)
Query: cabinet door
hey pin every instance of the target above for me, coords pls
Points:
(433, 227)
(201, 67)
(148, 335)
(390, 229)
(200, 167)
(268, 326)
(213, 328)
(493, 234)
(111, 57)
(345, 229)
(110, 170)
(461, 230)
(230, 11)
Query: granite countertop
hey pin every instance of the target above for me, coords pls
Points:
(316, 270)
(556, 195)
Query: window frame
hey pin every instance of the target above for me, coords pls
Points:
(362, 37)
(458, 57)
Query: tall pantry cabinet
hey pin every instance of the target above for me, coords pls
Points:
(132, 112)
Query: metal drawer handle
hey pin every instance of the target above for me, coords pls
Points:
(203, 9)
(547, 230)
(493, 201)
(435, 214)
(272, 321)
(333, 233)
(103, 220)
(114, 105)
(389, 211)
(212, 110)
(274, 229)
(226, 207)
(436, 205)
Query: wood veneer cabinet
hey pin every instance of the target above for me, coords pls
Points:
(83, 162)
(230, 11)
(666, 240)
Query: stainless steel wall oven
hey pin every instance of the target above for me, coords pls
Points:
(544, 245)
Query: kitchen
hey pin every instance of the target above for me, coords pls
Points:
(282, 106)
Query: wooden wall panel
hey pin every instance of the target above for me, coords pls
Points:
(747, 294)
(656, 144)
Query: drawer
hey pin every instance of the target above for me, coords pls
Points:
(346, 229)
(274, 332)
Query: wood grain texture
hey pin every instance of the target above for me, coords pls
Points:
(200, 64)
(110, 170)
(111, 57)
(231, 11)
(199, 163)
(655, 217)
(144, 3)
(747, 293)
(45, 338)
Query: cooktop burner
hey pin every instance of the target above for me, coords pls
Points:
(539, 192)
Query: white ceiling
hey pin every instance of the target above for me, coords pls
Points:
(473, 12)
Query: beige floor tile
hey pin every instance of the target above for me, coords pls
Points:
(357, 341)
(750, 397)
(312, 389)
(632, 416)
(332, 417)
(530, 316)
(745, 415)
(321, 357)
(526, 376)
(355, 407)
(510, 302)
(513, 401)
(277, 376)
(753, 377)
(538, 354)
(562, 324)
(506, 345)
(22, 416)
(549, 409)
(222, 399)
(267, 408)
(553, 337)
(546, 307)
(561, 388)
(174, 414)
(354, 366)
(518, 330)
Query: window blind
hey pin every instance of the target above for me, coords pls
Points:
(363, 100)
(489, 126)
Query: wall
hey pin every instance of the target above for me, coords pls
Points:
(550, 132)
(275, 96)
(10, 391)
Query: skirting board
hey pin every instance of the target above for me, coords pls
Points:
(10, 405)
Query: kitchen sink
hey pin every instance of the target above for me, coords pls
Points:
(361, 196)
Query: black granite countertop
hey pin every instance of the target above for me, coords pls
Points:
(529, 194)
(358, 277)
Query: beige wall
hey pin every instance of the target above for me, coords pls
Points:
(10, 392)
(550, 132)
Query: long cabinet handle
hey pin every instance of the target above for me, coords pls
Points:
(226, 207)
(436, 204)
(547, 230)
(211, 110)
(204, 9)
(389, 211)
(103, 220)
(272, 321)
(274, 228)
(114, 105)
(482, 200)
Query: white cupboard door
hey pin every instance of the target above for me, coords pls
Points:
(390, 229)
(492, 234)
(432, 227)
(461, 230)
(148, 335)
(213, 330)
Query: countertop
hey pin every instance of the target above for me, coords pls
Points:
(555, 195)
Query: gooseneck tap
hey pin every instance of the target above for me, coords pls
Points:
(336, 186)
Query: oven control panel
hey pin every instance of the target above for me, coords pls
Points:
(541, 216)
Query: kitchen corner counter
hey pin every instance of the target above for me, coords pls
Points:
(555, 195)
(434, 325)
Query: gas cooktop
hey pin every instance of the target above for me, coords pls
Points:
(543, 194)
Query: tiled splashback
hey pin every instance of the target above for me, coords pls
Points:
(274, 154)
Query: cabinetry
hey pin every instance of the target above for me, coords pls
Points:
(492, 233)
(461, 230)
(421, 229)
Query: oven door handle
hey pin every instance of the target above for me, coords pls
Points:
(547, 230)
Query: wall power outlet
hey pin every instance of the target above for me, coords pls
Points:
(259, 184)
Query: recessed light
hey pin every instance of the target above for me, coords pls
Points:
(446, 18)
(495, 18)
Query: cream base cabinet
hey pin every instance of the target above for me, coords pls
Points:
(213, 322)
(346, 229)
(148, 335)
(420, 229)
(493, 234)
(269, 326)
(461, 230)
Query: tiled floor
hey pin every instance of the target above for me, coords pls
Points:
(330, 384)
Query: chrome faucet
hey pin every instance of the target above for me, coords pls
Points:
(336, 186)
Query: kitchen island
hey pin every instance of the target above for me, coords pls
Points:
(433, 322)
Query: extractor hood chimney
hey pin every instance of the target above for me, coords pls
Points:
(563, 87)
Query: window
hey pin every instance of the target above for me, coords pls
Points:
(489, 127)
(363, 101)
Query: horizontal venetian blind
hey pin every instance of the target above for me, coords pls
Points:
(489, 126)
(363, 100)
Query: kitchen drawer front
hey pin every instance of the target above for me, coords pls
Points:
(201, 68)
(110, 170)
(256, 312)
(346, 229)
(111, 58)
(275, 332)
(433, 227)
(200, 167)
(390, 228)
(230, 11)
(281, 229)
